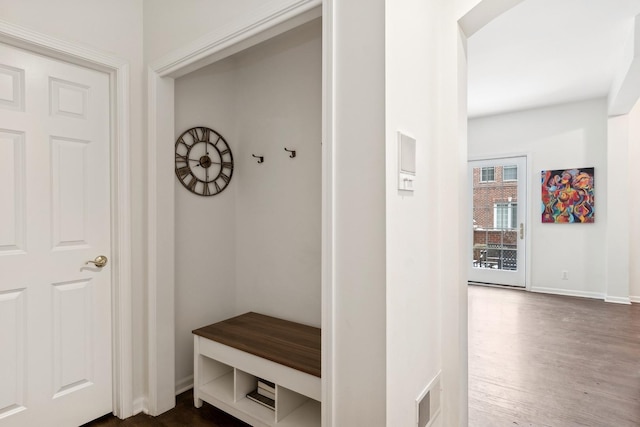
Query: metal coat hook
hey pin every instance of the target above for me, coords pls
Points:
(293, 152)
(260, 158)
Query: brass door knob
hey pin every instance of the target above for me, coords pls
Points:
(100, 261)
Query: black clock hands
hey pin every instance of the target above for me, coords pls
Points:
(211, 162)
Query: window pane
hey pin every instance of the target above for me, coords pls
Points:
(487, 174)
(505, 215)
(499, 215)
(510, 173)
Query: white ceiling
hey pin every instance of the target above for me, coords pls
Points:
(545, 52)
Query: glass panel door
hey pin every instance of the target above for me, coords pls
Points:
(499, 207)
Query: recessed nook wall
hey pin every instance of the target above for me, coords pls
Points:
(256, 245)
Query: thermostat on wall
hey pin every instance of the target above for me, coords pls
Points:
(406, 162)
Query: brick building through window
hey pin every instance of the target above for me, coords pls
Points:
(495, 213)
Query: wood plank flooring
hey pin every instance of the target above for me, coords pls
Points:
(535, 360)
(545, 360)
(183, 415)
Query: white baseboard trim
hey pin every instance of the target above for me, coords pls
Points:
(138, 406)
(492, 285)
(184, 384)
(634, 300)
(618, 300)
(569, 293)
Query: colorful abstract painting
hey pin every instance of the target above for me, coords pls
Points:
(567, 195)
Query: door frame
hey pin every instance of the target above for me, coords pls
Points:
(274, 18)
(527, 212)
(120, 183)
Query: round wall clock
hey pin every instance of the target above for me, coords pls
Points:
(204, 163)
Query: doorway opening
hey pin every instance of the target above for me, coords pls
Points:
(243, 34)
(519, 116)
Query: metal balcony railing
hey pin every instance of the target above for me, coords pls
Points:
(495, 248)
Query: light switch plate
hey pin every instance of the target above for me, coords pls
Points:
(406, 162)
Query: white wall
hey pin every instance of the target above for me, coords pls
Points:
(359, 293)
(205, 226)
(453, 215)
(278, 105)
(117, 31)
(557, 137)
(413, 289)
(617, 241)
(634, 205)
(169, 25)
(256, 245)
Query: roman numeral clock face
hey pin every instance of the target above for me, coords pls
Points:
(204, 164)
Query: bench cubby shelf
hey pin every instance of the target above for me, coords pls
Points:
(230, 356)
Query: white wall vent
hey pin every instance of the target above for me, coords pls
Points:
(428, 404)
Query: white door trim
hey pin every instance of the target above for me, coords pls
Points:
(328, 192)
(118, 71)
(526, 213)
(275, 17)
(531, 206)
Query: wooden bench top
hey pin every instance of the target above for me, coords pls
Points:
(287, 343)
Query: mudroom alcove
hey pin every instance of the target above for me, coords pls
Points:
(256, 245)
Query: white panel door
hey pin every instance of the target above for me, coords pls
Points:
(499, 202)
(55, 310)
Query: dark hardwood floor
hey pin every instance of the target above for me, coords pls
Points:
(183, 415)
(545, 360)
(535, 360)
